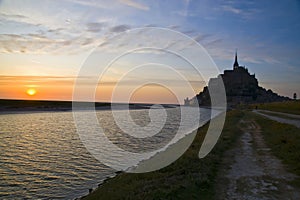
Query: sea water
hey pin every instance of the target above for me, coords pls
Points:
(42, 156)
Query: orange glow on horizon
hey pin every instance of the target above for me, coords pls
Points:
(31, 92)
(154, 94)
(53, 88)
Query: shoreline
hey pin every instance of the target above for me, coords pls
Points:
(27, 106)
(19, 109)
(98, 185)
(144, 161)
(94, 188)
(158, 154)
(41, 110)
(190, 177)
(179, 180)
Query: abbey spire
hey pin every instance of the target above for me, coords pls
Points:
(235, 64)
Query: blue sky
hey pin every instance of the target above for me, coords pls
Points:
(53, 38)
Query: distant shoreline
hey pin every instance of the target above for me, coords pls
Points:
(38, 106)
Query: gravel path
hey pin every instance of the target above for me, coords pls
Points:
(252, 171)
(281, 113)
(295, 122)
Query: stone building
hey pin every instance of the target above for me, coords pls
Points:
(241, 87)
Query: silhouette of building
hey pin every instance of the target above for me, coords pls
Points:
(235, 64)
(240, 87)
(186, 101)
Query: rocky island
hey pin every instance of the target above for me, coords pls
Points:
(241, 88)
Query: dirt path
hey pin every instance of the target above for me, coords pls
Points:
(295, 122)
(252, 171)
(281, 113)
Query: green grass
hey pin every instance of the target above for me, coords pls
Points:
(292, 107)
(284, 141)
(187, 178)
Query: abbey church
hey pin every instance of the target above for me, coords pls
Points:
(241, 88)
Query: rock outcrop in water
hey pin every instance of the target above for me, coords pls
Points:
(241, 88)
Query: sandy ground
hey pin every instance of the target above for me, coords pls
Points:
(252, 171)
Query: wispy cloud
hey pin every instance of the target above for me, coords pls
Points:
(245, 10)
(271, 60)
(201, 37)
(36, 80)
(89, 3)
(231, 9)
(174, 27)
(186, 13)
(119, 28)
(134, 4)
(12, 16)
(41, 44)
(95, 26)
(30, 30)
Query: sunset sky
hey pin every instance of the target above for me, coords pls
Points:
(43, 44)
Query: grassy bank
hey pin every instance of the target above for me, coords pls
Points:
(284, 141)
(292, 107)
(187, 178)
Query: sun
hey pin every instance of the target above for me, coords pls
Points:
(31, 92)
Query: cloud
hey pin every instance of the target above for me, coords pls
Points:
(174, 27)
(213, 43)
(95, 4)
(110, 5)
(186, 13)
(189, 32)
(151, 25)
(231, 9)
(134, 4)
(36, 80)
(32, 28)
(95, 26)
(246, 10)
(17, 20)
(200, 37)
(85, 80)
(271, 60)
(56, 31)
(12, 16)
(119, 28)
(41, 44)
(57, 39)
(70, 21)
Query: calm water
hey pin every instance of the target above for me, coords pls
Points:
(41, 155)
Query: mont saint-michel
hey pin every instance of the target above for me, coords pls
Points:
(241, 88)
